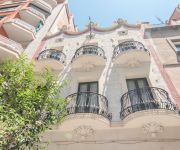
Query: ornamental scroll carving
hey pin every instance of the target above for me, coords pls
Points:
(84, 131)
(153, 128)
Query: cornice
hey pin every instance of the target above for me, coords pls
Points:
(118, 24)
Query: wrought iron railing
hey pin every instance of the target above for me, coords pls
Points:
(128, 45)
(144, 99)
(89, 50)
(88, 102)
(52, 54)
(6, 42)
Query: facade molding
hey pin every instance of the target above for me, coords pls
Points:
(118, 24)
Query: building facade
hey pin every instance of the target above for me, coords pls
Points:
(117, 93)
(123, 82)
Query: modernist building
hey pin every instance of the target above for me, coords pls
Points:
(123, 90)
(23, 24)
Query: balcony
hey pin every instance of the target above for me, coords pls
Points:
(32, 16)
(89, 103)
(131, 53)
(88, 57)
(42, 5)
(87, 108)
(9, 48)
(150, 103)
(50, 58)
(53, 3)
(19, 31)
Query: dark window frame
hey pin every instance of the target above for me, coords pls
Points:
(88, 90)
(139, 93)
(136, 81)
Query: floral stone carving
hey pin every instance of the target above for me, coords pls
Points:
(84, 131)
(153, 128)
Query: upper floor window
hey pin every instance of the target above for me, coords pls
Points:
(1, 17)
(139, 91)
(177, 47)
(175, 44)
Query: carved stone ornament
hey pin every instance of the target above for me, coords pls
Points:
(153, 128)
(92, 36)
(133, 62)
(121, 33)
(64, 28)
(88, 67)
(84, 131)
(59, 40)
(121, 21)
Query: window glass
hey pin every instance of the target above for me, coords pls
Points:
(137, 91)
(87, 99)
(177, 47)
(1, 17)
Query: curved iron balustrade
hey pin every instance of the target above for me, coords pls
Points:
(128, 45)
(89, 50)
(88, 102)
(52, 54)
(144, 99)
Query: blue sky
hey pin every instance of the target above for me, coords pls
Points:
(104, 12)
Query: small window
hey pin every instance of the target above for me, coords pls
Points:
(177, 47)
(175, 44)
(1, 17)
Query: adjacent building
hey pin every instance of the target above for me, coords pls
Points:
(123, 82)
(164, 42)
(23, 24)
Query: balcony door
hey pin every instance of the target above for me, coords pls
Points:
(138, 91)
(87, 99)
